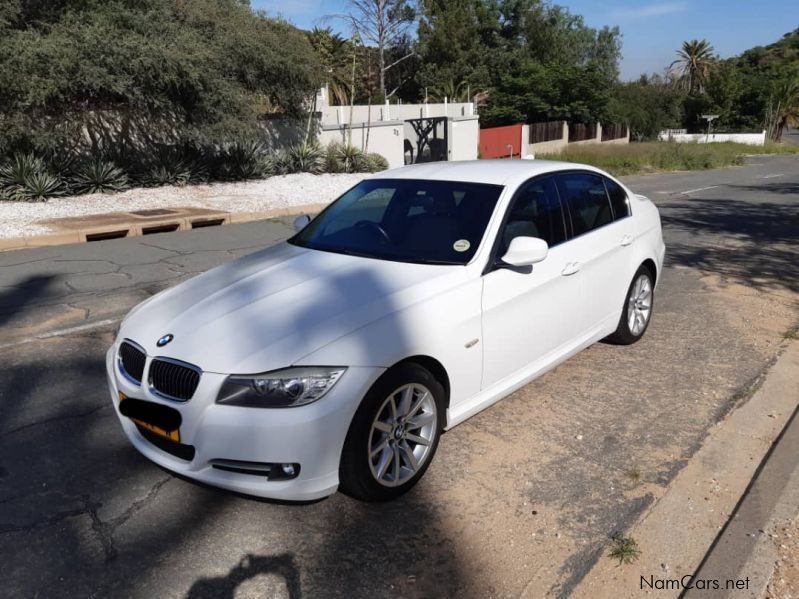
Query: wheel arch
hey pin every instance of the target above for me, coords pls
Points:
(433, 366)
(649, 264)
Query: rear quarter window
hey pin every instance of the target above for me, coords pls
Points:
(587, 200)
(618, 199)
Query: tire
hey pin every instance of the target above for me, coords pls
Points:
(383, 457)
(639, 302)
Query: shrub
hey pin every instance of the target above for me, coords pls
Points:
(42, 185)
(350, 159)
(332, 160)
(25, 177)
(16, 172)
(176, 173)
(99, 176)
(127, 74)
(242, 161)
(280, 163)
(306, 158)
(166, 165)
(376, 162)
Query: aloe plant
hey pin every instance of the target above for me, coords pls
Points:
(174, 173)
(243, 160)
(25, 177)
(16, 172)
(280, 163)
(42, 185)
(100, 176)
(307, 158)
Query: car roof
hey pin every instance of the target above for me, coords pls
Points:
(495, 172)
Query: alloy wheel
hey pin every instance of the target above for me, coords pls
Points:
(640, 305)
(402, 434)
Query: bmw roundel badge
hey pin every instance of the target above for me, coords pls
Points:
(165, 339)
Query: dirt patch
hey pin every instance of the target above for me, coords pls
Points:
(784, 582)
(762, 316)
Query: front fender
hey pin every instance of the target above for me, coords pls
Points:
(446, 327)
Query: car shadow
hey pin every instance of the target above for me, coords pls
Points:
(18, 298)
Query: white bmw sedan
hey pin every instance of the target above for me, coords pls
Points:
(421, 296)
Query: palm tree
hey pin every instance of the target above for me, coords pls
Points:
(783, 110)
(693, 65)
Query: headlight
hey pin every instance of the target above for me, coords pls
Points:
(279, 389)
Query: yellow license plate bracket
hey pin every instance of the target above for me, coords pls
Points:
(171, 435)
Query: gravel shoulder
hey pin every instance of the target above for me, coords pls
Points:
(25, 219)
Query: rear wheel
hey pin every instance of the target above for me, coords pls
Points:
(394, 435)
(637, 310)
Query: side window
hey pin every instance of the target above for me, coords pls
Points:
(535, 212)
(585, 195)
(618, 199)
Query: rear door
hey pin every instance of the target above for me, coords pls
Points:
(600, 246)
(529, 314)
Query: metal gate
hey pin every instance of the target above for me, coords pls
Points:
(501, 142)
(426, 140)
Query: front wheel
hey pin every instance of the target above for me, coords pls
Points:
(394, 435)
(637, 311)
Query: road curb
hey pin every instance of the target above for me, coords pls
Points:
(78, 232)
(675, 533)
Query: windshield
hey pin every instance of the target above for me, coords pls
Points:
(408, 220)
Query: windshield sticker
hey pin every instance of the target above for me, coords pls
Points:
(461, 245)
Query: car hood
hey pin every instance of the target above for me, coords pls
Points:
(271, 308)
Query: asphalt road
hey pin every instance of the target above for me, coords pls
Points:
(521, 499)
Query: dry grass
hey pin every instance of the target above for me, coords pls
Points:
(649, 157)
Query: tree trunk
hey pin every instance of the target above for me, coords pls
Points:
(382, 72)
(381, 43)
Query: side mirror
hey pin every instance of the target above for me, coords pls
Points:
(525, 251)
(301, 222)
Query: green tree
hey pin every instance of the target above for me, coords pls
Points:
(762, 69)
(451, 48)
(530, 60)
(335, 54)
(648, 106)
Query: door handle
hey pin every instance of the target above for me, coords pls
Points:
(570, 269)
(627, 240)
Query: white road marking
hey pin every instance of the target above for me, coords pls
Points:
(771, 176)
(685, 193)
(61, 332)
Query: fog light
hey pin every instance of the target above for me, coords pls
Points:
(284, 471)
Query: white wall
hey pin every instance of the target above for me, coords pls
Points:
(385, 139)
(339, 115)
(750, 139)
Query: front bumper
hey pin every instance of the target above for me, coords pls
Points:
(311, 435)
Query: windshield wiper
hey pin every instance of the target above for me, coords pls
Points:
(432, 261)
(389, 257)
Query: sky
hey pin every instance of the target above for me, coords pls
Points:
(651, 30)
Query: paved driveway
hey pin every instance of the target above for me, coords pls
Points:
(521, 499)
